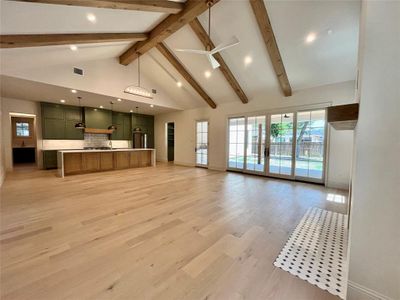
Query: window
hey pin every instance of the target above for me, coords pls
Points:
(22, 129)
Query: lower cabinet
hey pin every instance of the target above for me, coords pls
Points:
(91, 162)
(72, 163)
(106, 161)
(121, 160)
(49, 159)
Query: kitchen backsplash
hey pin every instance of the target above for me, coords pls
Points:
(96, 140)
(80, 144)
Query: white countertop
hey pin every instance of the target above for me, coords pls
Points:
(99, 150)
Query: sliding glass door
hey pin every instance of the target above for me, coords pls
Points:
(255, 146)
(285, 145)
(236, 143)
(280, 154)
(202, 143)
(310, 145)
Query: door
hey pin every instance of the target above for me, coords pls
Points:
(310, 145)
(280, 145)
(255, 144)
(171, 141)
(201, 143)
(236, 142)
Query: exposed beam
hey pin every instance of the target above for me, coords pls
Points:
(181, 69)
(260, 11)
(204, 38)
(37, 40)
(171, 24)
(162, 6)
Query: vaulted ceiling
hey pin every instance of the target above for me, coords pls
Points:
(331, 58)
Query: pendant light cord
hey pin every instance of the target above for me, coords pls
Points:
(138, 69)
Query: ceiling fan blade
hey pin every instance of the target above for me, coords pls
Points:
(194, 51)
(232, 42)
(214, 63)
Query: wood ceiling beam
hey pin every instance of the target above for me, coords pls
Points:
(37, 40)
(162, 6)
(260, 11)
(181, 69)
(204, 38)
(170, 25)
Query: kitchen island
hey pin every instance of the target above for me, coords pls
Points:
(70, 162)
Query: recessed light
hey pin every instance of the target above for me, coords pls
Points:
(311, 37)
(73, 47)
(62, 101)
(119, 100)
(131, 110)
(95, 109)
(101, 106)
(330, 31)
(207, 74)
(74, 91)
(179, 84)
(151, 105)
(248, 60)
(91, 18)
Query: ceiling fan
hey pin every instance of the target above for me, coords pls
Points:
(208, 51)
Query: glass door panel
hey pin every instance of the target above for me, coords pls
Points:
(236, 143)
(280, 158)
(255, 159)
(310, 142)
(202, 143)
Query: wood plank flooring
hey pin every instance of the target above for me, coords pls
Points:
(164, 232)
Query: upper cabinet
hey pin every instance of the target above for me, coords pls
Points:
(97, 118)
(124, 128)
(58, 122)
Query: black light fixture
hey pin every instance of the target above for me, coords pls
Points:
(286, 116)
(80, 125)
(112, 126)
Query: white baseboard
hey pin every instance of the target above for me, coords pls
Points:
(217, 168)
(357, 291)
(337, 185)
(185, 164)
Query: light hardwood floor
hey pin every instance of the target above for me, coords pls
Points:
(167, 232)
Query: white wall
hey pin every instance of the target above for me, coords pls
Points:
(18, 106)
(340, 149)
(374, 264)
(2, 161)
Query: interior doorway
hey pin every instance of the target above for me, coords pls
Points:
(171, 141)
(23, 141)
(201, 148)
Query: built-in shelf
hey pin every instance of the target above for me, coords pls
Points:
(98, 131)
(343, 117)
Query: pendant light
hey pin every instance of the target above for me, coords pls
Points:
(112, 126)
(80, 125)
(137, 90)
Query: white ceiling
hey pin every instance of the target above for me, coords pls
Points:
(331, 58)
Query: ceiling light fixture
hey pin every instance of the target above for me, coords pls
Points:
(101, 106)
(62, 101)
(119, 100)
(207, 74)
(80, 125)
(131, 110)
(179, 84)
(151, 105)
(137, 90)
(74, 91)
(91, 18)
(311, 37)
(248, 60)
(73, 47)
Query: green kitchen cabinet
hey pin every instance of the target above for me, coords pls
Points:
(146, 124)
(53, 129)
(97, 118)
(58, 121)
(49, 159)
(123, 123)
